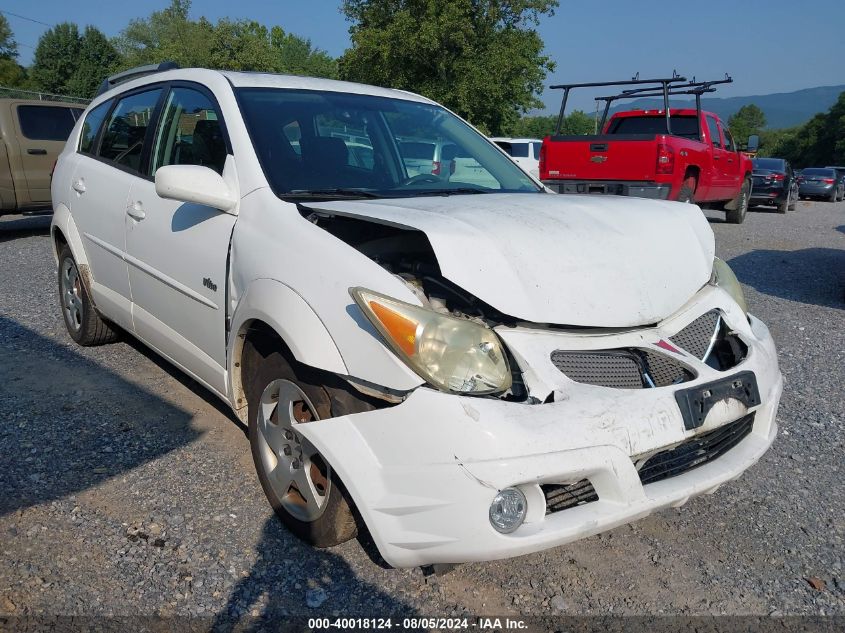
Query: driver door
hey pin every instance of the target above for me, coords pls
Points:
(178, 252)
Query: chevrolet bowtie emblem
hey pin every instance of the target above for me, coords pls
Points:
(598, 159)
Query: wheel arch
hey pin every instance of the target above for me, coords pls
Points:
(301, 333)
(63, 231)
(695, 172)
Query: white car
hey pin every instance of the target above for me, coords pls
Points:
(525, 152)
(482, 371)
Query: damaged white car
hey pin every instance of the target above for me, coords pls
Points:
(481, 368)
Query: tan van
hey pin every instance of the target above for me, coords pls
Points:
(32, 133)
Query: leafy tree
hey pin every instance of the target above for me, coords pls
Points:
(97, 60)
(481, 58)
(8, 45)
(748, 120)
(578, 122)
(56, 57)
(170, 35)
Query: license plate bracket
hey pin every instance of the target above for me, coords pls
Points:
(695, 403)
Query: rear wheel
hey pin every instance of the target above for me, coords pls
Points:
(84, 325)
(687, 192)
(786, 204)
(737, 215)
(299, 483)
(833, 196)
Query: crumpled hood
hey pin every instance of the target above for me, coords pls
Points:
(562, 259)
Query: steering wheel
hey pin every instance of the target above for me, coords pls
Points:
(422, 178)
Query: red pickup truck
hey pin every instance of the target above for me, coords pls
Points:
(687, 155)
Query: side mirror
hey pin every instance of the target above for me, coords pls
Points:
(753, 143)
(194, 183)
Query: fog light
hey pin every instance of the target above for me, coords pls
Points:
(507, 512)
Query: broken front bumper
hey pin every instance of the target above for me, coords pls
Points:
(424, 473)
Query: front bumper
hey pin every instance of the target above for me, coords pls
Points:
(423, 473)
(618, 188)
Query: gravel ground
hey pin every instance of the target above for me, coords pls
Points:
(127, 489)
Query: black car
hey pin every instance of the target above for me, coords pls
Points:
(773, 184)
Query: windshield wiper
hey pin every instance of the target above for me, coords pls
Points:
(330, 193)
(457, 191)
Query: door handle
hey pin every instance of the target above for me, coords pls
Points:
(78, 186)
(716, 157)
(37, 151)
(136, 211)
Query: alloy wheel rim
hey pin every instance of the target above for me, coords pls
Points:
(296, 472)
(71, 286)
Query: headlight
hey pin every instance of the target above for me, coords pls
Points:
(452, 354)
(724, 278)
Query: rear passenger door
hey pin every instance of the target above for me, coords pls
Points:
(733, 164)
(42, 131)
(177, 251)
(110, 151)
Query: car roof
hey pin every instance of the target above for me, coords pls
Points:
(261, 80)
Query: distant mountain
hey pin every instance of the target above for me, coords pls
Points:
(782, 109)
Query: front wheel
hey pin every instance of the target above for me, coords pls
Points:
(737, 215)
(299, 483)
(84, 325)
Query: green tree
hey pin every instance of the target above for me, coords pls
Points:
(97, 60)
(578, 122)
(481, 58)
(8, 45)
(748, 120)
(12, 74)
(171, 35)
(56, 57)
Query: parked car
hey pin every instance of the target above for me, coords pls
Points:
(774, 184)
(482, 371)
(32, 133)
(821, 182)
(683, 154)
(525, 152)
(840, 171)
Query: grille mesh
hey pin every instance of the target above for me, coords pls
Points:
(696, 451)
(695, 338)
(664, 370)
(562, 497)
(618, 369)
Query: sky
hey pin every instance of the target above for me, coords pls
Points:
(766, 46)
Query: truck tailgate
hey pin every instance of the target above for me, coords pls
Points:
(600, 157)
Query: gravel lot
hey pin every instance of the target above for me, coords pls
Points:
(127, 489)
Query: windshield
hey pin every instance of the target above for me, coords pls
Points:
(314, 143)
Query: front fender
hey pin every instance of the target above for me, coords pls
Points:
(284, 310)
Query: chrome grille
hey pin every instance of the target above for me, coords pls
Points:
(697, 336)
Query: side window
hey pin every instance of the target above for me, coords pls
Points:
(45, 123)
(189, 132)
(91, 126)
(536, 147)
(729, 141)
(123, 139)
(713, 129)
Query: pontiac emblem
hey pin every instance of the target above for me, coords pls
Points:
(598, 159)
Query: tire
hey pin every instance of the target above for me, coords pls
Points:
(286, 461)
(833, 197)
(786, 204)
(687, 192)
(81, 319)
(794, 202)
(737, 216)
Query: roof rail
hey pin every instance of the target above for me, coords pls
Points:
(134, 73)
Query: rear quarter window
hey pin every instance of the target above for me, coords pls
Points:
(46, 123)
